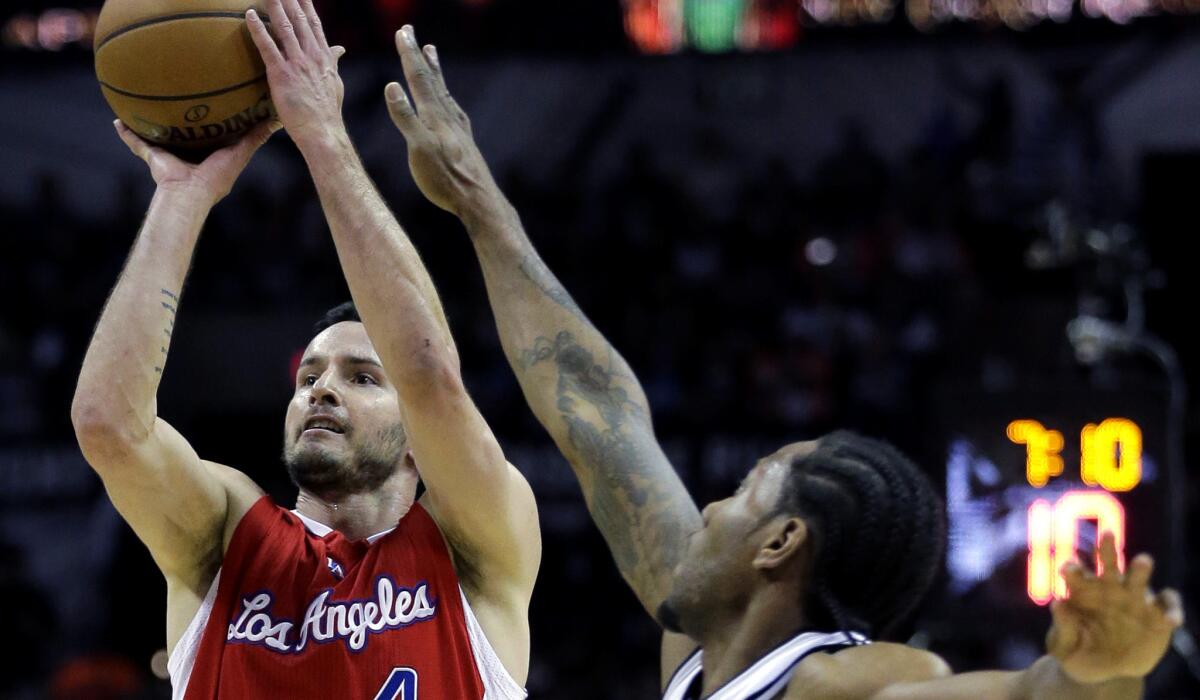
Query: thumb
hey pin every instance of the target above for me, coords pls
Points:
(241, 151)
(135, 143)
(338, 52)
(259, 135)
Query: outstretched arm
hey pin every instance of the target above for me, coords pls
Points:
(175, 502)
(577, 384)
(483, 505)
(1108, 635)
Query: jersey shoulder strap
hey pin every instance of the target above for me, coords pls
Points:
(765, 678)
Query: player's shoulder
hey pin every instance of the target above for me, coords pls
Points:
(240, 494)
(858, 673)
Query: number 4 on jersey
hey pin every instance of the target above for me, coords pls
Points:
(401, 684)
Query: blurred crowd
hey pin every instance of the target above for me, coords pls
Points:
(754, 297)
(798, 295)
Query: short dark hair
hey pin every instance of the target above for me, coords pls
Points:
(338, 314)
(878, 530)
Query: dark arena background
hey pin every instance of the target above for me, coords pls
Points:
(967, 226)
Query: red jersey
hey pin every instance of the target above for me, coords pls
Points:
(298, 611)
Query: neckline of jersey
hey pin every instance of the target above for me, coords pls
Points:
(320, 529)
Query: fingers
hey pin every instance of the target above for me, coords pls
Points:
(1171, 605)
(338, 52)
(260, 134)
(267, 48)
(302, 26)
(314, 23)
(1075, 575)
(1063, 636)
(285, 30)
(439, 82)
(1083, 588)
(1107, 551)
(435, 69)
(401, 110)
(416, 69)
(249, 144)
(140, 148)
(1137, 576)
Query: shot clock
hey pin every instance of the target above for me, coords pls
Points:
(1034, 477)
(1110, 458)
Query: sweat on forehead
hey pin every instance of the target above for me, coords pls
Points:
(347, 340)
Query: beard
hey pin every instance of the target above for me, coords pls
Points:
(327, 474)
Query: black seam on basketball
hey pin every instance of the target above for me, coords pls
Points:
(173, 98)
(171, 18)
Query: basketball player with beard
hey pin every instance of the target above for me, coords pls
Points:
(360, 591)
(826, 545)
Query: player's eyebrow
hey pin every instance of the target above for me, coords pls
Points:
(361, 360)
(311, 360)
(348, 359)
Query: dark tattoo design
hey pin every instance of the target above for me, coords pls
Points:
(633, 493)
(170, 326)
(537, 272)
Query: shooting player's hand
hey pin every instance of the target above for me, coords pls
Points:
(208, 181)
(302, 70)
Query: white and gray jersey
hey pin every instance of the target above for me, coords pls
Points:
(765, 678)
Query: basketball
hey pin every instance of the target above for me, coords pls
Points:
(182, 73)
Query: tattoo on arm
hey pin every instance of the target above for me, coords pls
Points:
(170, 306)
(536, 272)
(633, 493)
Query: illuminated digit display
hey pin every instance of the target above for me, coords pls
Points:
(1112, 455)
(1111, 458)
(1054, 537)
(1042, 448)
(1041, 552)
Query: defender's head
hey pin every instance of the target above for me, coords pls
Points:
(343, 433)
(846, 527)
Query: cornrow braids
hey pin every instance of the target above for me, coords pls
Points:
(877, 527)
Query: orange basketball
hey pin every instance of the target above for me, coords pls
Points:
(182, 73)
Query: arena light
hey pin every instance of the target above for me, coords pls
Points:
(654, 26)
(713, 25)
(820, 251)
(52, 30)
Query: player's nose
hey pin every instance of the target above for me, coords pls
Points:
(324, 392)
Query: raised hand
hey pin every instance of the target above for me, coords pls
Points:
(301, 70)
(442, 154)
(1112, 626)
(209, 180)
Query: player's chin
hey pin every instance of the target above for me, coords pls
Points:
(316, 452)
(316, 466)
(668, 618)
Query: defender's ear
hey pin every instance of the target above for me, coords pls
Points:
(785, 540)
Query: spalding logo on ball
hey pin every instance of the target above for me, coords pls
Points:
(182, 73)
